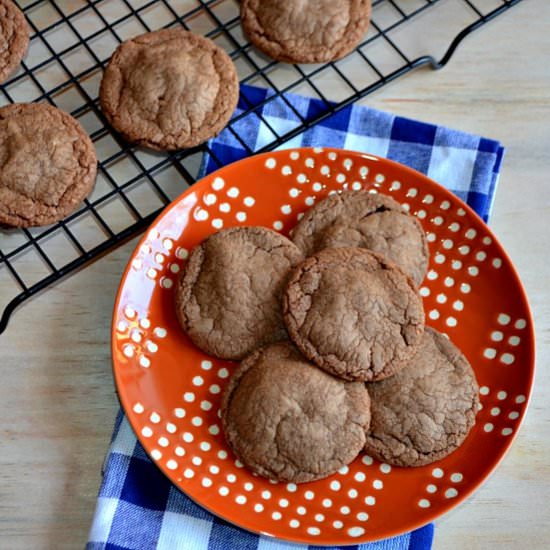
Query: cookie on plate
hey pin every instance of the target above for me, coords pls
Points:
(365, 220)
(287, 420)
(14, 38)
(228, 298)
(426, 410)
(169, 89)
(353, 313)
(48, 164)
(305, 32)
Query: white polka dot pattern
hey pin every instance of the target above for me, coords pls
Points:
(183, 435)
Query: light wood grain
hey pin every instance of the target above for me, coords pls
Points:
(57, 397)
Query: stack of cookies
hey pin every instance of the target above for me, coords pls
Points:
(329, 329)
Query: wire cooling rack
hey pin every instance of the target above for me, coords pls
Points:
(71, 42)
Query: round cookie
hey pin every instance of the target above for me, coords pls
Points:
(365, 220)
(353, 313)
(228, 299)
(425, 411)
(169, 89)
(289, 421)
(305, 32)
(48, 164)
(14, 38)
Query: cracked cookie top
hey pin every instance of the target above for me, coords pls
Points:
(47, 164)
(169, 89)
(289, 421)
(228, 298)
(353, 313)
(426, 410)
(305, 31)
(14, 38)
(365, 220)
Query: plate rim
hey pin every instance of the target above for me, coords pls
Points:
(390, 532)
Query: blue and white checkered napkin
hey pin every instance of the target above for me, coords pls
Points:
(138, 508)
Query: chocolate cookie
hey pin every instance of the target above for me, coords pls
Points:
(365, 220)
(228, 299)
(289, 421)
(47, 164)
(169, 89)
(305, 32)
(425, 411)
(353, 313)
(14, 38)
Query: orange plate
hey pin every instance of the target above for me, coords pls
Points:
(171, 391)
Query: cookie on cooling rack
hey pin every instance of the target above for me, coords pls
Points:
(169, 89)
(365, 220)
(228, 298)
(426, 410)
(353, 313)
(305, 32)
(14, 38)
(48, 164)
(289, 421)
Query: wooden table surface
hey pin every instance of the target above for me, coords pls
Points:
(57, 397)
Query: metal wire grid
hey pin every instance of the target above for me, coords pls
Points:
(71, 41)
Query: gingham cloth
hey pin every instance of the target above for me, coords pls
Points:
(138, 508)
